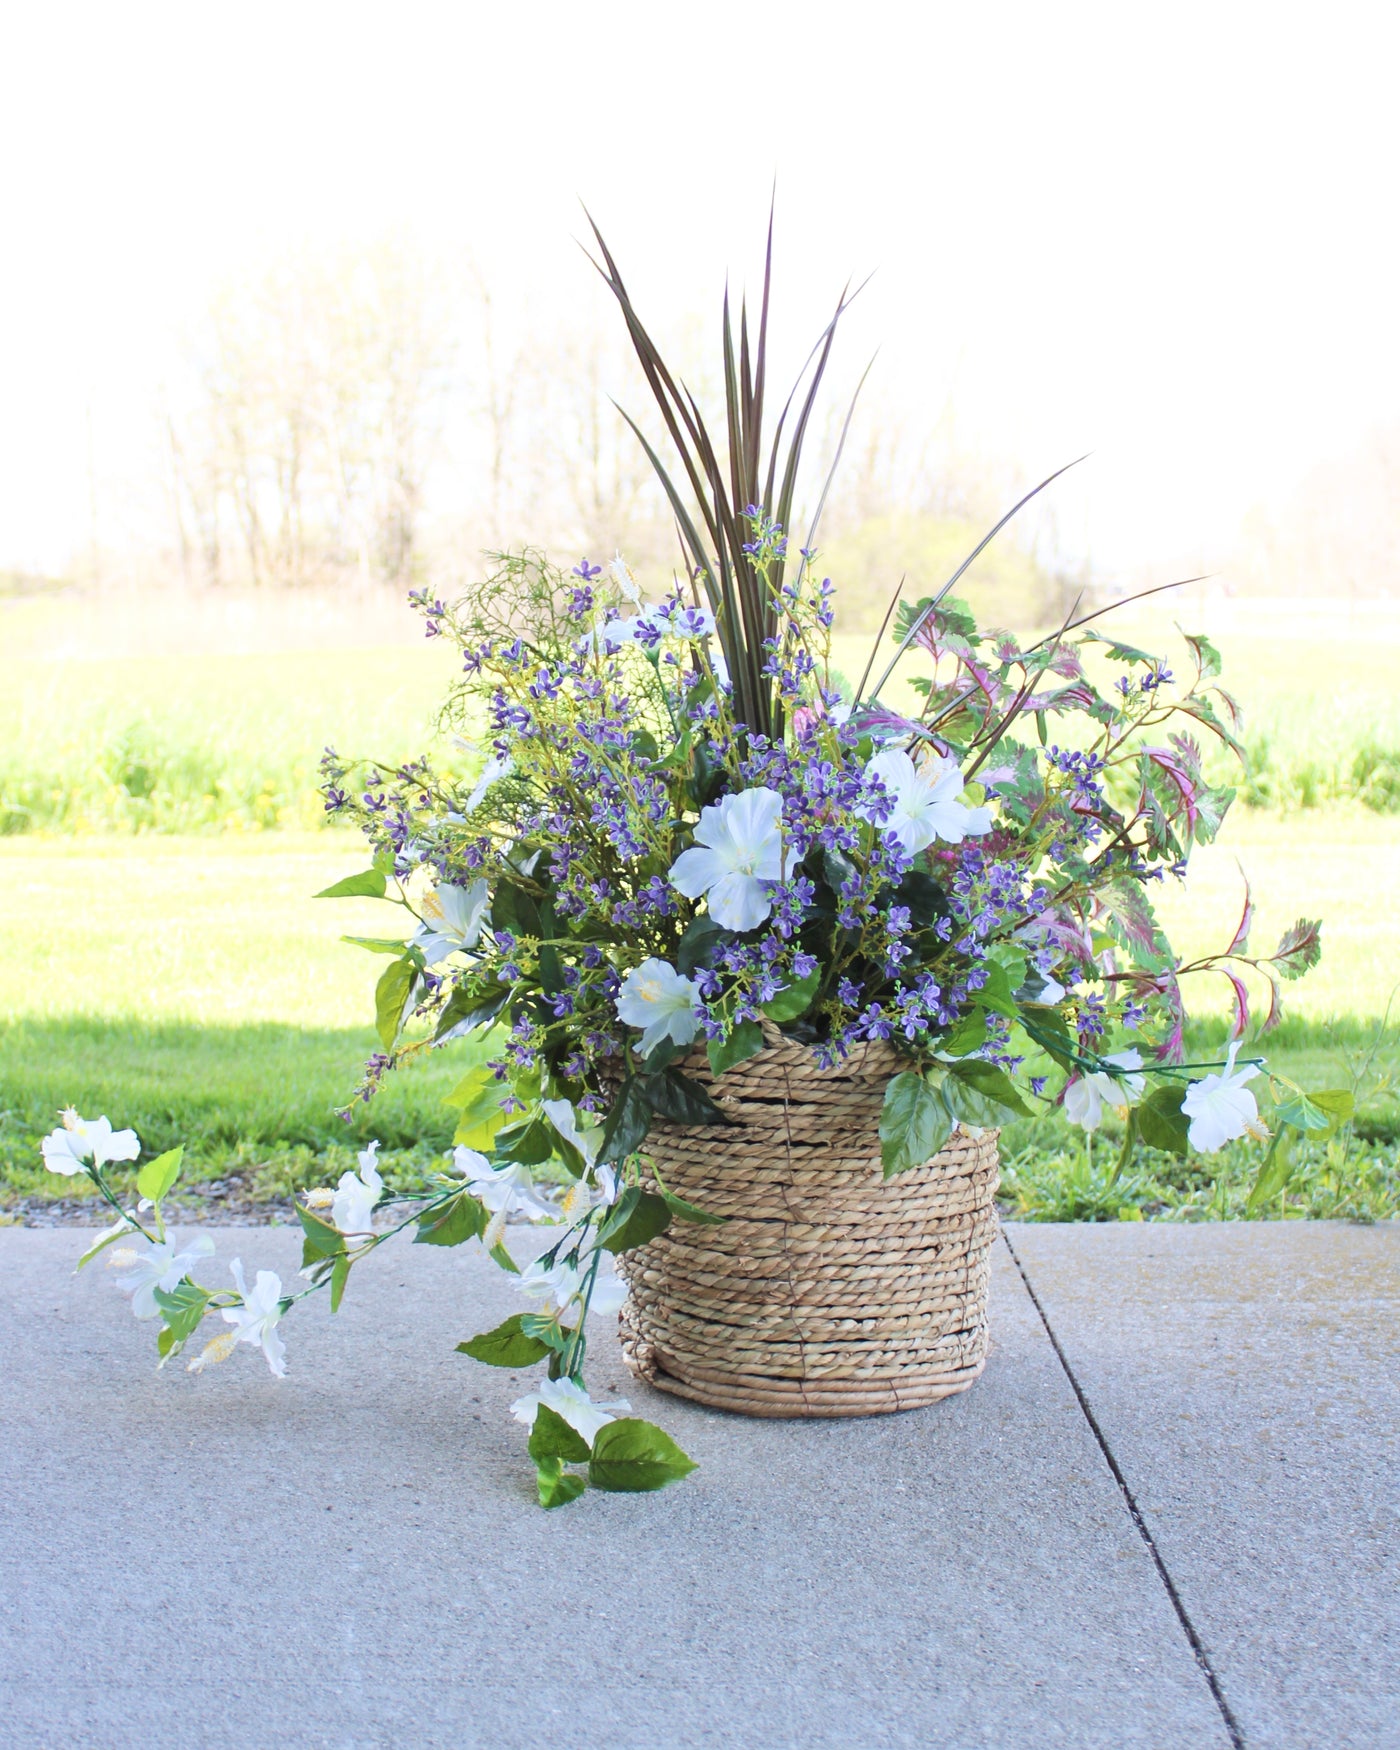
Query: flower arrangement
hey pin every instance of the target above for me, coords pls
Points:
(689, 830)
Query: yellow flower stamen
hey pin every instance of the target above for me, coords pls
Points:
(216, 1349)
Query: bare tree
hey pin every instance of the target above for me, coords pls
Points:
(306, 449)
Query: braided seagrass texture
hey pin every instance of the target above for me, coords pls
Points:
(828, 1292)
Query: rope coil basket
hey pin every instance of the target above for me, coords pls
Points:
(827, 1291)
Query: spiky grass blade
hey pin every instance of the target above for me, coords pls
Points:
(922, 620)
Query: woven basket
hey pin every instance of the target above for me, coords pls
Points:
(827, 1292)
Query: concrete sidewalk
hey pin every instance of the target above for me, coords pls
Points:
(352, 1556)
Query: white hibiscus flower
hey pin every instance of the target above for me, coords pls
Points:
(1221, 1108)
(926, 805)
(571, 1402)
(656, 998)
(559, 1289)
(256, 1320)
(84, 1142)
(453, 918)
(163, 1266)
(356, 1195)
(1086, 1096)
(738, 852)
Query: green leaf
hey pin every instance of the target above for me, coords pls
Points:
(998, 993)
(674, 1096)
(546, 1330)
(527, 1143)
(647, 1217)
(377, 944)
(1311, 1111)
(690, 1211)
(506, 1346)
(479, 1079)
(557, 1486)
(460, 1219)
(991, 1082)
(181, 1309)
(479, 1099)
(1274, 1173)
(500, 1256)
(340, 1275)
(1338, 1103)
(1160, 1121)
(924, 897)
(1013, 962)
(1207, 656)
(967, 1035)
(157, 1176)
(966, 1104)
(794, 999)
(744, 1042)
(1125, 1154)
(553, 1437)
(914, 1123)
(513, 909)
(322, 1240)
(370, 885)
(1050, 1031)
(618, 1215)
(466, 1009)
(627, 1125)
(633, 1456)
(662, 1055)
(701, 934)
(390, 995)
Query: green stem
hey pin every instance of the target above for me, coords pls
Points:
(95, 1174)
(577, 1337)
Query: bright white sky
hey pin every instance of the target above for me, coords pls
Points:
(1163, 234)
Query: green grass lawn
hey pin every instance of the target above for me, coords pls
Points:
(161, 959)
(192, 988)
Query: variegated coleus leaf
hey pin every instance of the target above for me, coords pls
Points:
(1206, 656)
(1173, 1047)
(1124, 908)
(1172, 776)
(1120, 652)
(1018, 781)
(1200, 707)
(1300, 949)
(1239, 1002)
(1078, 697)
(1239, 942)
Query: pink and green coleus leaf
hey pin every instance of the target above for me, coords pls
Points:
(1300, 949)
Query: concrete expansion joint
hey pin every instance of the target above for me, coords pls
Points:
(1197, 1645)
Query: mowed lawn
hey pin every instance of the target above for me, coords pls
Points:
(194, 988)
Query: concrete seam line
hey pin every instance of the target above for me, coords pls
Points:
(1197, 1645)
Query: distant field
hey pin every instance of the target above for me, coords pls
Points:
(225, 736)
(203, 741)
